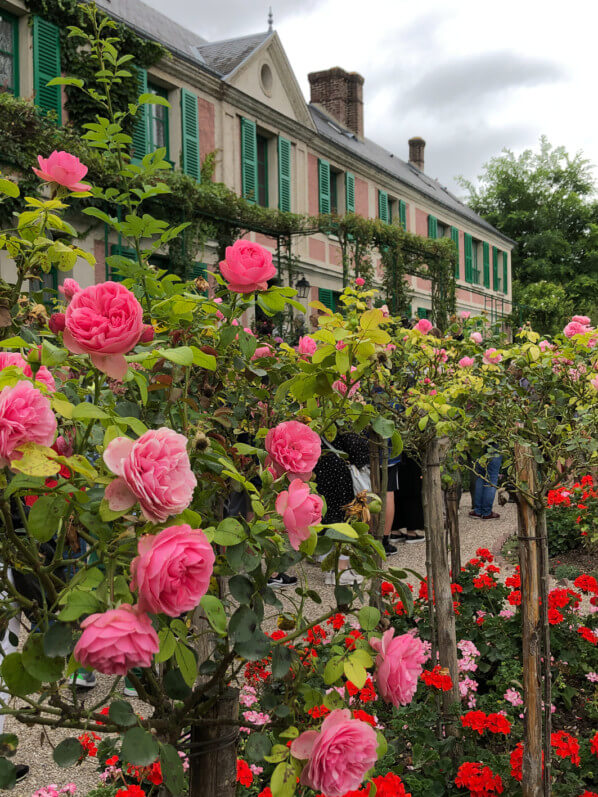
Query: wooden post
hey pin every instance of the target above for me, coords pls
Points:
(451, 500)
(530, 614)
(546, 652)
(213, 751)
(379, 477)
(441, 582)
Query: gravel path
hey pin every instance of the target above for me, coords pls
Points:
(35, 746)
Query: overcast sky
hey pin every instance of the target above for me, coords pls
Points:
(470, 77)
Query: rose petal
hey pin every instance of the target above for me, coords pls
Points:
(113, 365)
(119, 496)
(116, 451)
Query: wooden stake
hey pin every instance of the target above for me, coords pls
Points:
(451, 501)
(530, 613)
(213, 752)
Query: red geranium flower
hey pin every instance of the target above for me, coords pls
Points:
(565, 746)
(360, 714)
(594, 744)
(479, 779)
(588, 635)
(476, 720)
(438, 678)
(586, 583)
(555, 617)
(244, 773)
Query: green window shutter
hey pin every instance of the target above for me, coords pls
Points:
(46, 66)
(190, 134)
(422, 312)
(383, 206)
(468, 246)
(326, 296)
(486, 251)
(403, 214)
(495, 277)
(249, 160)
(324, 185)
(432, 226)
(284, 174)
(350, 192)
(505, 272)
(455, 237)
(140, 132)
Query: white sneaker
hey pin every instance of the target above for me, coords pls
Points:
(129, 691)
(345, 578)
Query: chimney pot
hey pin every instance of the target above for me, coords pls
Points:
(340, 93)
(416, 152)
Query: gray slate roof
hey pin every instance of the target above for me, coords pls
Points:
(225, 56)
(366, 149)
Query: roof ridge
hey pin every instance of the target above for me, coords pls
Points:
(235, 39)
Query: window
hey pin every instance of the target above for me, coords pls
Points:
(334, 191)
(9, 53)
(432, 226)
(328, 298)
(157, 117)
(284, 174)
(323, 186)
(383, 213)
(403, 214)
(262, 171)
(495, 271)
(441, 230)
(349, 192)
(475, 271)
(422, 312)
(505, 272)
(46, 67)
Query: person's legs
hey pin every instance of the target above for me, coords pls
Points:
(390, 512)
(478, 489)
(490, 485)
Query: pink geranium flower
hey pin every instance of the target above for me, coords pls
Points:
(25, 417)
(338, 756)
(247, 267)
(117, 640)
(398, 666)
(173, 570)
(293, 449)
(299, 510)
(153, 470)
(104, 321)
(64, 169)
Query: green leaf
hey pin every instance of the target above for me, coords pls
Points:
(139, 747)
(14, 343)
(343, 530)
(167, 645)
(44, 668)
(361, 656)
(203, 360)
(257, 747)
(241, 588)
(229, 532)
(68, 752)
(175, 686)
(181, 355)
(172, 769)
(15, 676)
(333, 670)
(215, 613)
(8, 774)
(45, 515)
(355, 672)
(122, 713)
(58, 640)
(78, 602)
(9, 188)
(383, 426)
(283, 780)
(187, 663)
(281, 661)
(8, 744)
(151, 99)
(368, 617)
(86, 411)
(66, 81)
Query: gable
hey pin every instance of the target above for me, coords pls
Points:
(266, 75)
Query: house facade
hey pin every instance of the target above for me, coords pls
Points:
(240, 98)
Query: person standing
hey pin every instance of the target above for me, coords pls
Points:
(486, 484)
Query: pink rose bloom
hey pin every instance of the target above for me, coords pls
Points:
(359, 281)
(385, 310)
(117, 640)
(247, 267)
(173, 570)
(219, 315)
(299, 510)
(582, 319)
(64, 169)
(492, 357)
(104, 321)
(57, 322)
(69, 288)
(441, 354)
(25, 417)
(465, 314)
(147, 334)
(217, 300)
(339, 345)
(63, 447)
(398, 666)
(423, 325)
(466, 362)
(153, 470)
(294, 449)
(545, 345)
(263, 351)
(340, 385)
(594, 383)
(307, 345)
(338, 756)
(476, 337)
(390, 347)
(574, 328)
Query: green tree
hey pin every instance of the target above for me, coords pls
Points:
(544, 200)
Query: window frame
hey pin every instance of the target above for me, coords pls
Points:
(475, 263)
(152, 114)
(262, 144)
(14, 23)
(334, 193)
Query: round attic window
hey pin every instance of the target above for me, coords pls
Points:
(266, 79)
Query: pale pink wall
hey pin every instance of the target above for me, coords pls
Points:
(362, 205)
(464, 295)
(100, 255)
(206, 119)
(421, 222)
(335, 255)
(312, 185)
(423, 285)
(317, 249)
(263, 240)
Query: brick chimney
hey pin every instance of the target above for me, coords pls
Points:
(340, 93)
(416, 152)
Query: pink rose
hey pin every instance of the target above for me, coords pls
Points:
(294, 449)
(340, 385)
(390, 347)
(466, 362)
(594, 383)
(153, 470)
(247, 267)
(104, 321)
(262, 351)
(69, 288)
(359, 281)
(338, 756)
(307, 345)
(423, 325)
(147, 334)
(173, 570)
(64, 169)
(25, 417)
(465, 314)
(545, 345)
(57, 322)
(117, 640)
(582, 319)
(385, 310)
(441, 354)
(398, 666)
(339, 346)
(574, 328)
(299, 510)
(476, 337)
(492, 357)
(63, 447)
